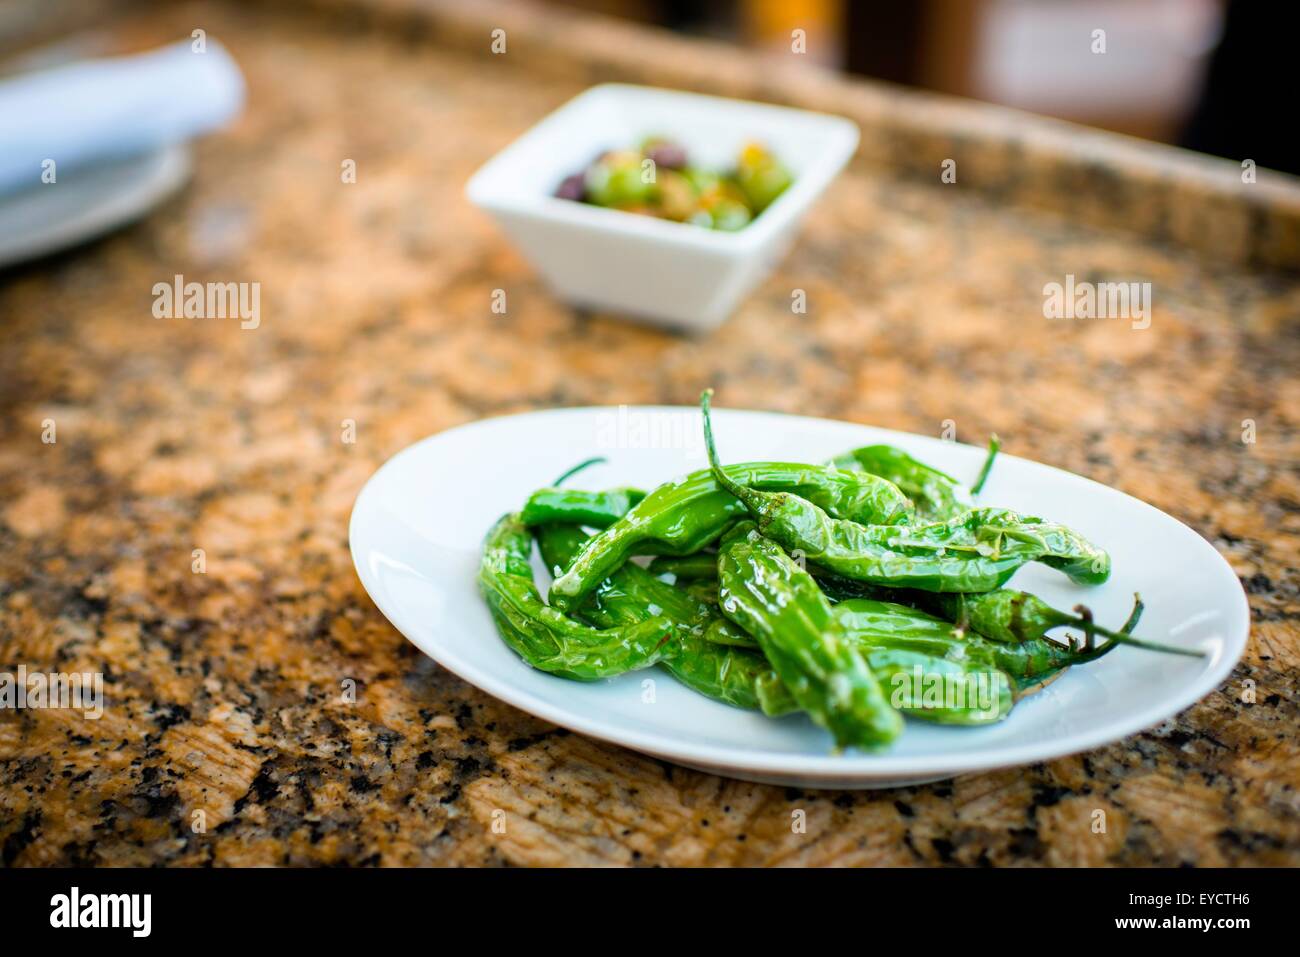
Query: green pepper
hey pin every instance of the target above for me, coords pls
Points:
(737, 676)
(571, 506)
(964, 691)
(939, 674)
(961, 686)
(1008, 615)
(973, 552)
(1030, 684)
(869, 622)
(941, 690)
(1004, 614)
(771, 597)
(682, 517)
(687, 567)
(722, 631)
(701, 589)
(557, 505)
(543, 636)
(740, 677)
(937, 495)
(873, 624)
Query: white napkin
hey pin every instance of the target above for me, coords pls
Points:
(108, 109)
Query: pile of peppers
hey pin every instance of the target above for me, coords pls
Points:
(858, 592)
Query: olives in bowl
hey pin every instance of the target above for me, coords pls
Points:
(657, 179)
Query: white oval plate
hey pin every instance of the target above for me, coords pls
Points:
(418, 524)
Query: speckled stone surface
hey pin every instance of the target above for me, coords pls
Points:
(924, 304)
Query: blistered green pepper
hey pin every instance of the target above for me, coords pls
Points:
(1026, 685)
(682, 517)
(737, 676)
(543, 636)
(687, 567)
(1005, 614)
(939, 673)
(701, 589)
(871, 623)
(974, 552)
(941, 690)
(772, 598)
(937, 495)
(566, 506)
(576, 507)
(935, 672)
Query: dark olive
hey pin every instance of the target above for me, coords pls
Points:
(573, 187)
(666, 155)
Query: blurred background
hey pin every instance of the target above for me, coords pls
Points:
(1204, 74)
(1194, 73)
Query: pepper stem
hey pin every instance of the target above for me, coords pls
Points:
(576, 469)
(994, 448)
(1091, 652)
(1089, 640)
(1123, 638)
(723, 479)
(1135, 615)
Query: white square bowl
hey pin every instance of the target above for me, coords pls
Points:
(674, 274)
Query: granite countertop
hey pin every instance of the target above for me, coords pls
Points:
(224, 686)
